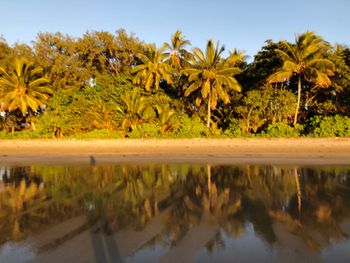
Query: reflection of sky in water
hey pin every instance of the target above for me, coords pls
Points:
(147, 255)
(338, 253)
(12, 252)
(245, 248)
(248, 247)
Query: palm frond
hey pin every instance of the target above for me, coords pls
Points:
(280, 76)
(190, 71)
(194, 76)
(193, 87)
(229, 71)
(289, 66)
(290, 51)
(206, 89)
(321, 64)
(149, 82)
(284, 55)
(198, 54)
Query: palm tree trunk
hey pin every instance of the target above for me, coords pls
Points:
(25, 122)
(209, 112)
(298, 102)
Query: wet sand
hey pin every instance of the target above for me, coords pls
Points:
(216, 151)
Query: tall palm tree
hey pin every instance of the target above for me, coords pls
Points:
(304, 60)
(176, 51)
(23, 88)
(212, 75)
(153, 68)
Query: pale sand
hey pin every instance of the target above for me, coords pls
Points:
(216, 151)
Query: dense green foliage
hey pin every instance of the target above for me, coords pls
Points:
(105, 85)
(280, 129)
(329, 126)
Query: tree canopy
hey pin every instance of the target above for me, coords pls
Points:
(116, 85)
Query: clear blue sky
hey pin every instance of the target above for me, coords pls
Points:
(243, 24)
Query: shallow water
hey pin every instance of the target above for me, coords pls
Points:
(174, 213)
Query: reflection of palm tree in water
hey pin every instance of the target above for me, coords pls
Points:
(14, 201)
(202, 208)
(137, 189)
(297, 183)
(202, 202)
(315, 208)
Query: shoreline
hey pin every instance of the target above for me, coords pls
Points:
(303, 151)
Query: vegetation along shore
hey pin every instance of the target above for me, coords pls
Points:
(104, 85)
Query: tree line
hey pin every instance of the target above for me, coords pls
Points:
(116, 85)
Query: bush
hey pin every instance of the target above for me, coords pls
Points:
(145, 130)
(283, 130)
(234, 130)
(191, 128)
(329, 126)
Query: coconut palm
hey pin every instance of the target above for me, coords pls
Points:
(23, 88)
(237, 58)
(212, 75)
(304, 60)
(176, 51)
(153, 68)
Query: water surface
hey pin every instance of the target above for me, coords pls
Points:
(174, 213)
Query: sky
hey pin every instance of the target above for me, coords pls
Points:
(243, 24)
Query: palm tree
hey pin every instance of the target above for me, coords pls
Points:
(211, 75)
(136, 109)
(176, 49)
(237, 58)
(166, 118)
(304, 60)
(102, 116)
(23, 88)
(153, 68)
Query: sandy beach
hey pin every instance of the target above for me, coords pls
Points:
(288, 151)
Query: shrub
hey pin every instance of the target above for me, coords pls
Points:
(145, 130)
(191, 128)
(329, 126)
(234, 130)
(283, 130)
(55, 126)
